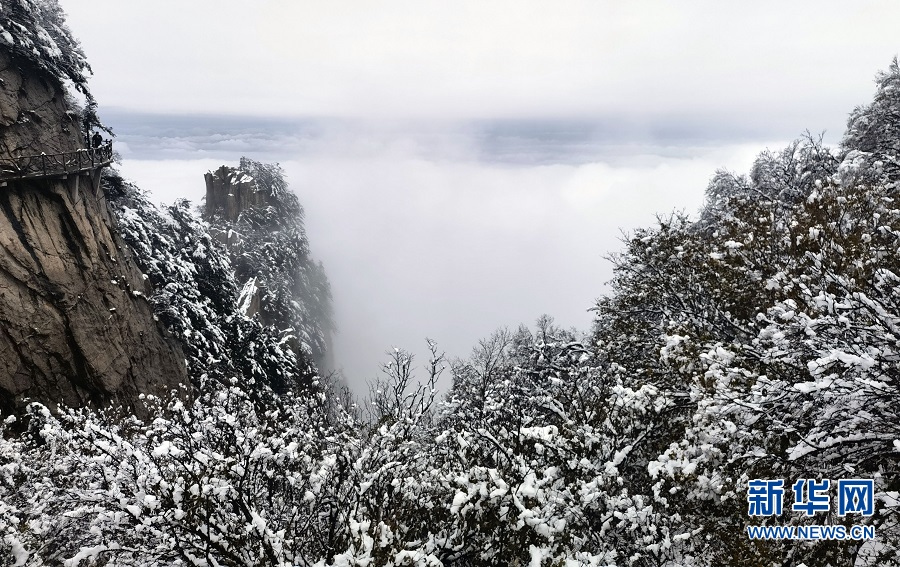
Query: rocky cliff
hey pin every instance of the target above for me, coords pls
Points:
(251, 210)
(34, 115)
(75, 327)
(230, 191)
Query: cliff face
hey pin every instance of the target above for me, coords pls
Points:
(34, 117)
(75, 327)
(230, 191)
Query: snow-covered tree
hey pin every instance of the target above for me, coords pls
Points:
(35, 33)
(273, 266)
(195, 296)
(774, 319)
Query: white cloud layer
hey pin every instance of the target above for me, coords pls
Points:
(421, 244)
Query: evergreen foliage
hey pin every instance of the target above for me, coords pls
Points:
(35, 31)
(195, 296)
(270, 253)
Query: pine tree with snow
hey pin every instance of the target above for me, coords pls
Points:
(267, 243)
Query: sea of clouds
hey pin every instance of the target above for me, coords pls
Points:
(448, 230)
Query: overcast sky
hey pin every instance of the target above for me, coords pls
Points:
(467, 165)
(487, 58)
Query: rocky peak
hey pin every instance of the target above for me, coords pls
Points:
(251, 210)
(230, 191)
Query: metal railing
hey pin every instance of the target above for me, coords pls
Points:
(55, 165)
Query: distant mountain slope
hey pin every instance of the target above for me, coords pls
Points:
(195, 295)
(260, 220)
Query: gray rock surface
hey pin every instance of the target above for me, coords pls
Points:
(34, 114)
(75, 327)
(230, 191)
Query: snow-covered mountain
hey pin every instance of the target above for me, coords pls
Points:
(757, 342)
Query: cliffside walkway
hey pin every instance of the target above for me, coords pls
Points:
(45, 166)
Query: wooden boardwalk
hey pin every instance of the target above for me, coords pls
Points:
(45, 166)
